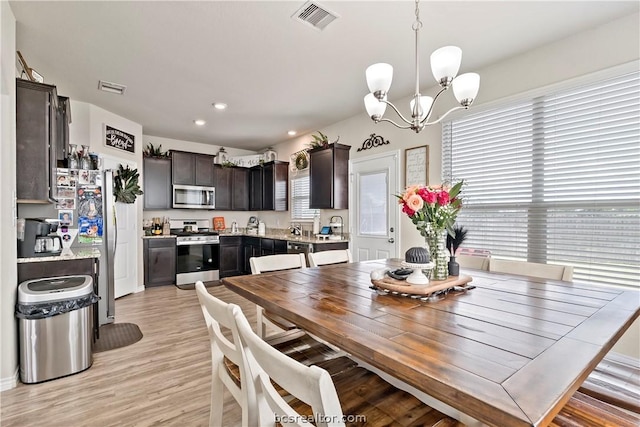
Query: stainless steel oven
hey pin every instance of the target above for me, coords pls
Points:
(198, 258)
(198, 251)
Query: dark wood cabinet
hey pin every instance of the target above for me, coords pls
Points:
(272, 246)
(36, 141)
(204, 170)
(156, 183)
(251, 248)
(191, 168)
(255, 188)
(240, 189)
(159, 261)
(232, 188)
(275, 186)
(222, 180)
(231, 256)
(329, 177)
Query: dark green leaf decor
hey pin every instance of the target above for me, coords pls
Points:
(125, 185)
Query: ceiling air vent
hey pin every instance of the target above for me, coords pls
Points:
(311, 13)
(111, 87)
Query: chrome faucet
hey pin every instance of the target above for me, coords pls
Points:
(296, 230)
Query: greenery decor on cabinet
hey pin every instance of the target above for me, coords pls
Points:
(156, 152)
(125, 185)
(321, 140)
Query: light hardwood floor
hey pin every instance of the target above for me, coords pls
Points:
(164, 379)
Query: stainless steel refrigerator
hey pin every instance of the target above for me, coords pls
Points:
(95, 216)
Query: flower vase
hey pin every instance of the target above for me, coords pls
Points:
(436, 239)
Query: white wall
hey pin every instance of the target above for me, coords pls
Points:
(615, 43)
(8, 271)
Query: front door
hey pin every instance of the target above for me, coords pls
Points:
(375, 217)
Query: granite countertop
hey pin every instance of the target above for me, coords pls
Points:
(276, 236)
(67, 254)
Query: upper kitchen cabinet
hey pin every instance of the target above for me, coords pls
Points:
(255, 188)
(329, 177)
(191, 168)
(37, 153)
(275, 186)
(232, 188)
(156, 176)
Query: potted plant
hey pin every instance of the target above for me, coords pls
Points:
(321, 141)
(453, 243)
(155, 152)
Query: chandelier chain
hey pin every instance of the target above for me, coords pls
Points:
(418, 24)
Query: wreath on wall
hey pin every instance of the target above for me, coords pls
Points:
(125, 185)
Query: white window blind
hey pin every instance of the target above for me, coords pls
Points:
(555, 179)
(300, 190)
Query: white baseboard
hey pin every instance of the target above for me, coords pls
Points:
(140, 288)
(10, 382)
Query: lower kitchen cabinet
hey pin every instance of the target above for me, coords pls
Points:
(272, 246)
(251, 247)
(231, 256)
(159, 261)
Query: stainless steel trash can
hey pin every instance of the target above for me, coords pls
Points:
(55, 322)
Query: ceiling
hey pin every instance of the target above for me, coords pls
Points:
(275, 73)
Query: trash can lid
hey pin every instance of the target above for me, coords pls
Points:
(54, 288)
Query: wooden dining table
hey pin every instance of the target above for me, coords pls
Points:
(510, 352)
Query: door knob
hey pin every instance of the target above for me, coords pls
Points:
(391, 240)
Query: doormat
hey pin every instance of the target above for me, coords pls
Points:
(191, 286)
(117, 335)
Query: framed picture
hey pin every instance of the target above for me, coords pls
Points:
(118, 139)
(416, 166)
(218, 223)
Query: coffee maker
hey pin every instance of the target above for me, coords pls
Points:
(36, 238)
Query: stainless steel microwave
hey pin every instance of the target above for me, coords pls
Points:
(194, 197)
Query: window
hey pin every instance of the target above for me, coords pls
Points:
(300, 189)
(555, 179)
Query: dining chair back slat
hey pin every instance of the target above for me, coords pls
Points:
(532, 269)
(337, 256)
(310, 384)
(267, 263)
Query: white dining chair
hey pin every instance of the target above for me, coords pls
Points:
(337, 256)
(268, 263)
(477, 259)
(313, 394)
(227, 367)
(532, 269)
(216, 313)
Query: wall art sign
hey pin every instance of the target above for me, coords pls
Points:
(416, 166)
(372, 142)
(118, 139)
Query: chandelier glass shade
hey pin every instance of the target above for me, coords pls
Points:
(445, 64)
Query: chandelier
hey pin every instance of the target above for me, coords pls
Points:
(445, 63)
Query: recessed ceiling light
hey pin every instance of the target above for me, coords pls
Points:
(219, 105)
(291, 132)
(199, 122)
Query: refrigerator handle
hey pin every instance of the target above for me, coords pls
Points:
(110, 219)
